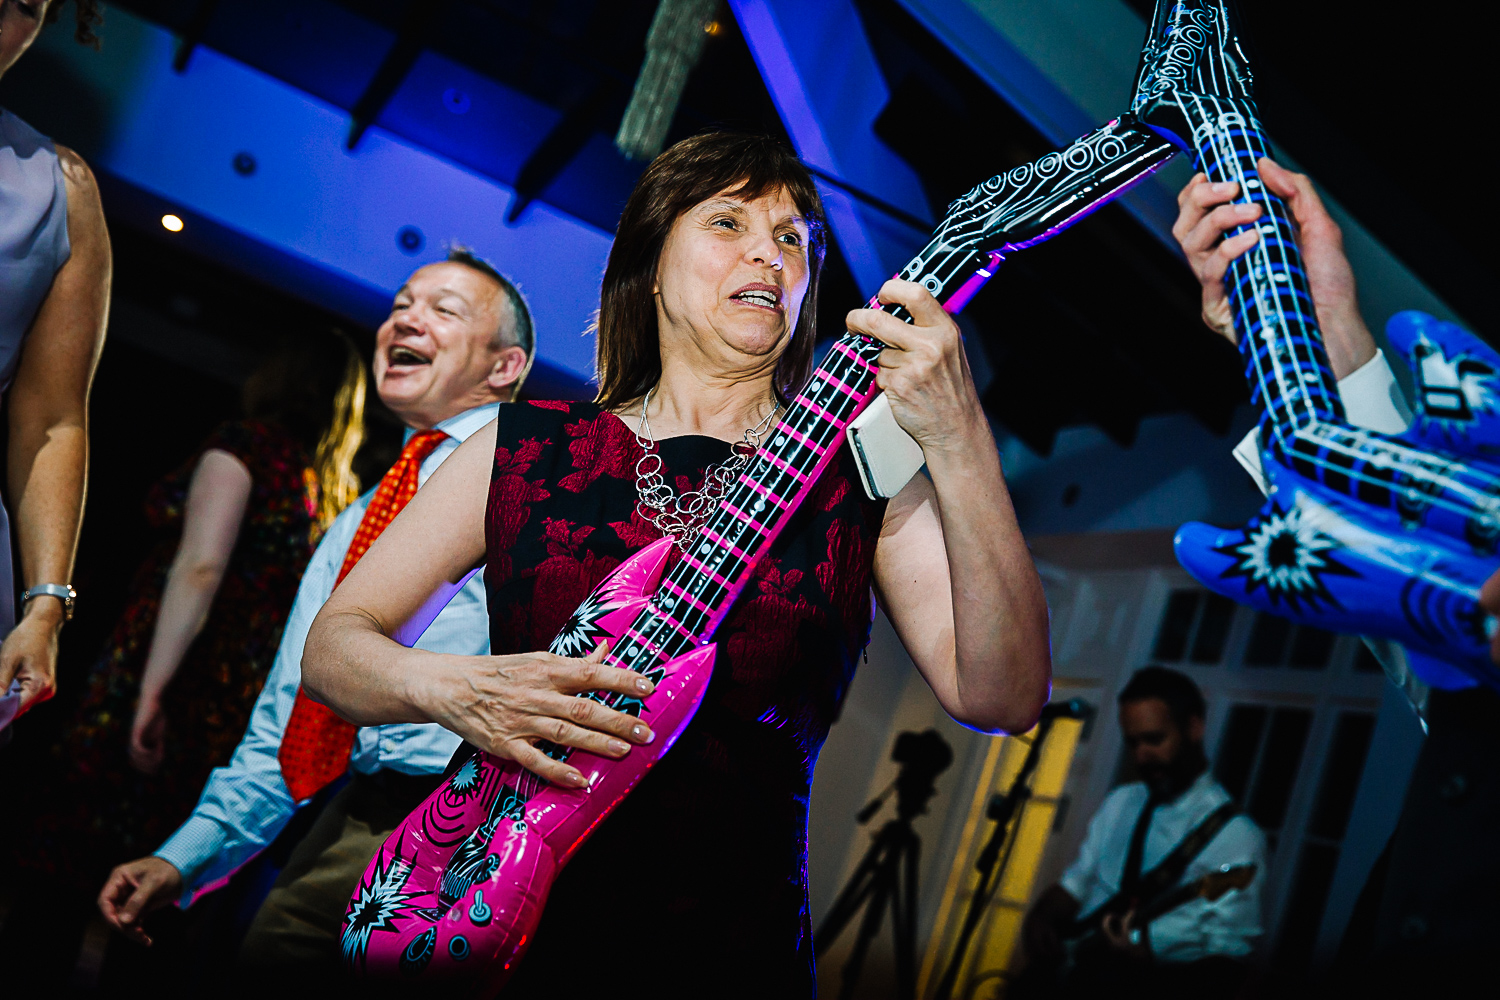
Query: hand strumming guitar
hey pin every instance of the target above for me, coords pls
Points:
(1125, 940)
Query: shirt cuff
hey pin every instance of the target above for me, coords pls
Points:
(1372, 400)
(196, 843)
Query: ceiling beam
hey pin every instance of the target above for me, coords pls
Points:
(559, 146)
(823, 78)
(310, 216)
(417, 26)
(197, 27)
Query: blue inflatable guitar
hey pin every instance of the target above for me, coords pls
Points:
(1376, 534)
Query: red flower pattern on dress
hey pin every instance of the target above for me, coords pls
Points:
(564, 578)
(829, 492)
(600, 447)
(636, 532)
(510, 502)
(561, 405)
(764, 637)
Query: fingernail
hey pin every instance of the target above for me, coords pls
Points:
(1225, 186)
(578, 779)
(643, 734)
(644, 686)
(618, 747)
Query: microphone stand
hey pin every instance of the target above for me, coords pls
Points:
(1003, 809)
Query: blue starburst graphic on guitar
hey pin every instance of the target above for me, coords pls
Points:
(466, 779)
(376, 906)
(1287, 556)
(581, 633)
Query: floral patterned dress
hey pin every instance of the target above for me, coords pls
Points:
(700, 876)
(106, 811)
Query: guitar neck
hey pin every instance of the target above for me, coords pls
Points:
(1286, 363)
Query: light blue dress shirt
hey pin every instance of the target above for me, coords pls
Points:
(246, 804)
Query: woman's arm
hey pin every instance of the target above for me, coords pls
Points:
(502, 704)
(952, 569)
(48, 464)
(216, 501)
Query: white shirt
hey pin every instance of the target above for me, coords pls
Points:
(246, 804)
(1198, 929)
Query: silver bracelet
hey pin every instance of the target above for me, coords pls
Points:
(62, 591)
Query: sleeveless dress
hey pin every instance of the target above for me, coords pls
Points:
(33, 247)
(103, 811)
(697, 884)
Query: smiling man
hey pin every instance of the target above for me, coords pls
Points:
(457, 343)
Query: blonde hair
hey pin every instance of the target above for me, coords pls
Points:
(333, 461)
(315, 388)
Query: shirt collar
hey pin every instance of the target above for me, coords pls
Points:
(464, 424)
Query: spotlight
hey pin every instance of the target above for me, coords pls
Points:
(171, 223)
(409, 239)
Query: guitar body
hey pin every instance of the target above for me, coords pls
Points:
(457, 889)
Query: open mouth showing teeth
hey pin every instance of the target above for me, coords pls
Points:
(406, 356)
(757, 297)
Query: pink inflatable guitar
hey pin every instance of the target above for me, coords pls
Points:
(456, 891)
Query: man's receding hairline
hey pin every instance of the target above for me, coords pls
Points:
(499, 288)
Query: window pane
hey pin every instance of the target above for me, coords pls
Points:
(1171, 641)
(1365, 662)
(1239, 747)
(1267, 641)
(1311, 648)
(1280, 759)
(1304, 912)
(1345, 762)
(1213, 629)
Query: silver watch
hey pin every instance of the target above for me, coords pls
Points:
(62, 591)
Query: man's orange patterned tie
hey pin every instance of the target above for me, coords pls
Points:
(316, 746)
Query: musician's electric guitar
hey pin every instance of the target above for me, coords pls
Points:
(1086, 938)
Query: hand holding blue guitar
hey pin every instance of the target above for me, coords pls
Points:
(1389, 535)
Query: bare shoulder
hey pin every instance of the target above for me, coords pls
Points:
(76, 172)
(86, 226)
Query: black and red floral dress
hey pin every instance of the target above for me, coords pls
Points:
(698, 881)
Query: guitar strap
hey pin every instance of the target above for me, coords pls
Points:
(1166, 874)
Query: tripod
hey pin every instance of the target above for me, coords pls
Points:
(1003, 809)
(887, 875)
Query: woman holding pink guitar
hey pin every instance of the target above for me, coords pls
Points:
(705, 336)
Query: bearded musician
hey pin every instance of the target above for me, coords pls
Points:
(706, 327)
(1173, 826)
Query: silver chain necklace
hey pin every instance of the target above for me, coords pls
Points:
(683, 517)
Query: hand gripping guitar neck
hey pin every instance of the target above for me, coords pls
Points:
(1388, 535)
(455, 892)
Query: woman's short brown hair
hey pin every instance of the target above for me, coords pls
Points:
(691, 172)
